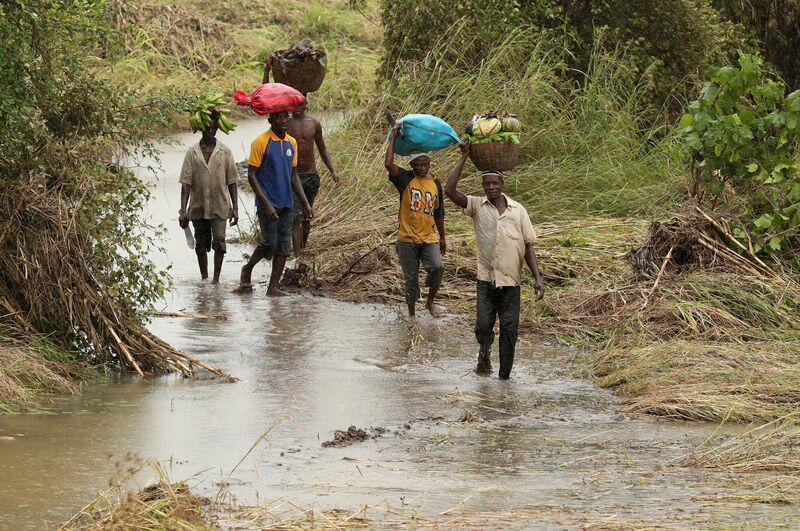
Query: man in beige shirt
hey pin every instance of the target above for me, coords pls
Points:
(504, 239)
(208, 185)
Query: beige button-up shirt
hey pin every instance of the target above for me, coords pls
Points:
(500, 239)
(210, 198)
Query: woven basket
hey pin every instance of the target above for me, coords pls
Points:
(500, 156)
(305, 76)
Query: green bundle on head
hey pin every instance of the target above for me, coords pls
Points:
(202, 114)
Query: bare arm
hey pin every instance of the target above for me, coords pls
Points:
(324, 155)
(442, 242)
(235, 202)
(253, 180)
(297, 186)
(451, 188)
(533, 265)
(183, 216)
(391, 167)
(266, 69)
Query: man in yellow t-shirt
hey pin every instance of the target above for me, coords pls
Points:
(421, 209)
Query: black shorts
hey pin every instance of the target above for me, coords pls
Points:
(276, 236)
(310, 182)
(209, 234)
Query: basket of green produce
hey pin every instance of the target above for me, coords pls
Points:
(494, 139)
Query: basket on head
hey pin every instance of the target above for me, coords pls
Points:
(305, 76)
(502, 155)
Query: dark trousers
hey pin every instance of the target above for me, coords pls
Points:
(410, 256)
(493, 302)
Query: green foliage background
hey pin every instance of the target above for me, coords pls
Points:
(671, 42)
(739, 144)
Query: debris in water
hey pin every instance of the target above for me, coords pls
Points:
(242, 288)
(352, 435)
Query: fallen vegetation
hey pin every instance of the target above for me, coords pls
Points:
(74, 268)
(30, 368)
(683, 319)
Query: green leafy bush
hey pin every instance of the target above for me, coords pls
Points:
(74, 246)
(739, 143)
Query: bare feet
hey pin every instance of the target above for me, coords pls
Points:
(433, 309)
(274, 292)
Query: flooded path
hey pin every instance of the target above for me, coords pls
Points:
(546, 441)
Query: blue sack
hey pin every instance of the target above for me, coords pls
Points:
(423, 132)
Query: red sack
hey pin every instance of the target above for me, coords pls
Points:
(271, 97)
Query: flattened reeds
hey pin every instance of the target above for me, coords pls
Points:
(52, 282)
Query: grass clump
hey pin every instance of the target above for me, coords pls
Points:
(178, 46)
(31, 367)
(704, 380)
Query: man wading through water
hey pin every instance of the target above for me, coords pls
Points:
(307, 131)
(273, 175)
(504, 237)
(208, 186)
(421, 207)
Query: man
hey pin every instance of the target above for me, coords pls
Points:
(504, 237)
(272, 173)
(307, 131)
(421, 207)
(208, 186)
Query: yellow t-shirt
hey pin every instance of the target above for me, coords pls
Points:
(421, 203)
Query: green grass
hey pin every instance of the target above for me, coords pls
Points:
(34, 367)
(186, 44)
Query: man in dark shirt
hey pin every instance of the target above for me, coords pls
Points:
(421, 208)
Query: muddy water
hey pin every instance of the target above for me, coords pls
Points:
(546, 441)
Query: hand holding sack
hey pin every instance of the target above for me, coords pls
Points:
(270, 98)
(423, 132)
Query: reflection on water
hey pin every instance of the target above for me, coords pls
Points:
(542, 440)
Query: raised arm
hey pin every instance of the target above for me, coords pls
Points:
(323, 153)
(267, 66)
(451, 188)
(391, 167)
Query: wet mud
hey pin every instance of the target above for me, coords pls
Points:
(546, 443)
(352, 435)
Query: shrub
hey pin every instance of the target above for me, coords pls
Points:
(741, 138)
(74, 244)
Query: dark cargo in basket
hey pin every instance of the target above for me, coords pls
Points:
(302, 67)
